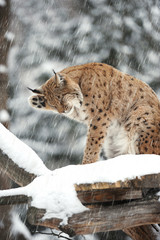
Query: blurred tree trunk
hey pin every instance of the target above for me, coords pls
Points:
(5, 183)
(4, 47)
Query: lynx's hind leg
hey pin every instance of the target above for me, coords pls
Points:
(37, 101)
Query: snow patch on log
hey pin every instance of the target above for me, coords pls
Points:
(20, 153)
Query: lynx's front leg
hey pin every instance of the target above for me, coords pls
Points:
(95, 138)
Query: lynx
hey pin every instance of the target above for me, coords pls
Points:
(122, 112)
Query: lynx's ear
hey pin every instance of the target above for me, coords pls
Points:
(60, 80)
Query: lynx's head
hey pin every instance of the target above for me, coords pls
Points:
(59, 94)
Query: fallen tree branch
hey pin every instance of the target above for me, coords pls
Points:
(103, 218)
(14, 172)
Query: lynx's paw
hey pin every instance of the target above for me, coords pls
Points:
(37, 101)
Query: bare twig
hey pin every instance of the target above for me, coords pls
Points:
(59, 235)
(54, 234)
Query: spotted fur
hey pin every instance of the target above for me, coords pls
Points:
(122, 112)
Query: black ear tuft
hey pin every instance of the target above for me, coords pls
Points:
(34, 90)
(54, 71)
(30, 89)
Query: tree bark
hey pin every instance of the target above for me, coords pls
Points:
(4, 48)
(17, 199)
(127, 216)
(142, 233)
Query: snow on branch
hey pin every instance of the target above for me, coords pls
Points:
(21, 157)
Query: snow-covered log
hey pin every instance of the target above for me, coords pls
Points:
(17, 174)
(130, 205)
(120, 193)
(18, 160)
(103, 218)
